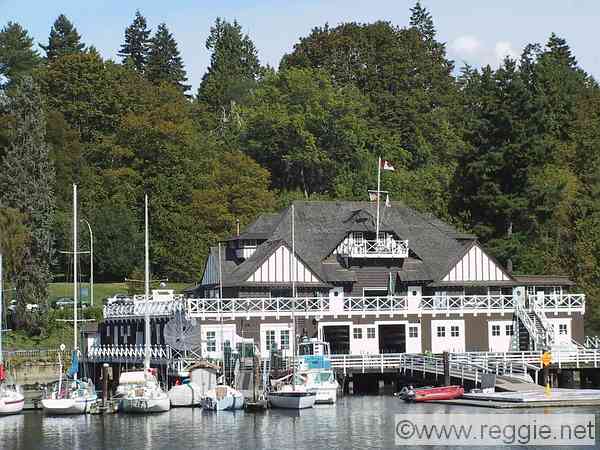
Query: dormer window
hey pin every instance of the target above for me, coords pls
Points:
(246, 248)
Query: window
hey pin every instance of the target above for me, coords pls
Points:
(530, 290)
(510, 330)
(270, 339)
(284, 339)
(370, 333)
(357, 333)
(562, 329)
(413, 332)
(495, 330)
(454, 331)
(441, 331)
(211, 338)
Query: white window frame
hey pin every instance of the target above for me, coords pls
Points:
(511, 327)
(454, 331)
(441, 331)
(496, 330)
(211, 341)
(371, 332)
(413, 331)
(354, 333)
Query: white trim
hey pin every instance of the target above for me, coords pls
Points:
(278, 266)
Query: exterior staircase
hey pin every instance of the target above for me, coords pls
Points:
(534, 331)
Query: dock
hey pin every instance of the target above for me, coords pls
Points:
(529, 399)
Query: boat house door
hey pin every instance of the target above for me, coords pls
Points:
(392, 338)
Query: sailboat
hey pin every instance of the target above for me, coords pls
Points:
(11, 398)
(71, 396)
(140, 390)
(222, 397)
(292, 395)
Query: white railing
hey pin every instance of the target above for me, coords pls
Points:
(380, 248)
(323, 306)
(139, 307)
(34, 353)
(561, 302)
(548, 336)
(467, 302)
(129, 353)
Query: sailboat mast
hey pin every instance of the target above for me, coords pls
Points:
(75, 268)
(222, 345)
(1, 299)
(146, 288)
(293, 278)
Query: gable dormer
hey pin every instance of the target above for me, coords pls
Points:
(363, 244)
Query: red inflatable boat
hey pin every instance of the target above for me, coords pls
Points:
(436, 393)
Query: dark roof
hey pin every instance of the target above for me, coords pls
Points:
(322, 225)
(544, 280)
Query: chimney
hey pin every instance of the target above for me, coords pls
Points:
(237, 226)
(509, 267)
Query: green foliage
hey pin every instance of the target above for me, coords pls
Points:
(63, 40)
(15, 238)
(26, 184)
(135, 49)
(164, 64)
(234, 68)
(17, 55)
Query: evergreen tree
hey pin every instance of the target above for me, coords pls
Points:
(234, 67)
(17, 56)
(26, 184)
(134, 50)
(164, 62)
(421, 20)
(64, 39)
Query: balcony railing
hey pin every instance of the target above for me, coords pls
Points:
(326, 306)
(380, 248)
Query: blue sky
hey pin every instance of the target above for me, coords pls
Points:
(476, 31)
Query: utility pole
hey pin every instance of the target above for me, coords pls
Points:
(91, 261)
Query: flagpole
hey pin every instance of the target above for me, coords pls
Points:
(378, 195)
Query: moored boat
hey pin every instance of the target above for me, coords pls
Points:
(185, 394)
(315, 372)
(292, 397)
(220, 398)
(434, 394)
(140, 392)
(11, 397)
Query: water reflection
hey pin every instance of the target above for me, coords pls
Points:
(355, 422)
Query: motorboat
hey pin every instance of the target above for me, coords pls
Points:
(433, 394)
(315, 372)
(140, 392)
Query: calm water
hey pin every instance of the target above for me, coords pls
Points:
(355, 422)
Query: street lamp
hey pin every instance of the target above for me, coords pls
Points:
(91, 261)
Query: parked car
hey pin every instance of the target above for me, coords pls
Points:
(67, 302)
(118, 299)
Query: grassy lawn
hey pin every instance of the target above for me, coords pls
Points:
(101, 290)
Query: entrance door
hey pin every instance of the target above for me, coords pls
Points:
(338, 337)
(392, 338)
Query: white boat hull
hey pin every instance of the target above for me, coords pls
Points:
(143, 406)
(185, 395)
(238, 401)
(67, 405)
(292, 400)
(222, 404)
(325, 395)
(12, 404)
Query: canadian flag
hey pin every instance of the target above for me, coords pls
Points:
(386, 165)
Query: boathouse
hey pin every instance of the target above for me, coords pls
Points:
(418, 286)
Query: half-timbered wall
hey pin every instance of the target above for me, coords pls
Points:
(278, 268)
(476, 265)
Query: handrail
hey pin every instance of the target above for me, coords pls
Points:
(324, 305)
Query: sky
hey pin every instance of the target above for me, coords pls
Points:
(476, 32)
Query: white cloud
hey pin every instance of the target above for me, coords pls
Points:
(471, 50)
(503, 49)
(466, 45)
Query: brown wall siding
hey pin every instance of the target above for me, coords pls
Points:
(371, 276)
